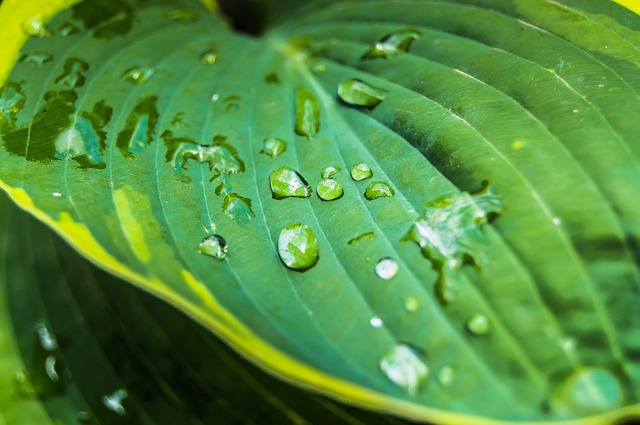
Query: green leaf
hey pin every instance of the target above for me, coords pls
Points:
(518, 304)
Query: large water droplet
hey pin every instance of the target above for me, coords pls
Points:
(411, 304)
(392, 44)
(377, 190)
(478, 324)
(361, 171)
(115, 400)
(376, 322)
(238, 208)
(588, 390)
(35, 27)
(386, 268)
(38, 58)
(402, 366)
(358, 93)
(138, 74)
(307, 114)
(286, 182)
(50, 367)
(214, 246)
(46, 338)
(328, 172)
(209, 57)
(329, 189)
(446, 375)
(298, 247)
(273, 147)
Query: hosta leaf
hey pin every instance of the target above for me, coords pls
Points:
(484, 269)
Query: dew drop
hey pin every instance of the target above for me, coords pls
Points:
(358, 93)
(209, 57)
(376, 322)
(403, 366)
(35, 27)
(38, 59)
(286, 182)
(392, 44)
(46, 338)
(411, 304)
(329, 189)
(298, 247)
(307, 114)
(377, 190)
(361, 171)
(445, 375)
(56, 194)
(328, 172)
(214, 246)
(556, 221)
(274, 147)
(319, 68)
(386, 268)
(215, 97)
(50, 365)
(114, 401)
(138, 74)
(478, 324)
(588, 390)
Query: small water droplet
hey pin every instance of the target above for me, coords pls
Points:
(307, 114)
(319, 68)
(376, 322)
(360, 238)
(47, 339)
(274, 147)
(38, 59)
(377, 190)
(403, 366)
(328, 172)
(445, 375)
(478, 324)
(215, 97)
(209, 57)
(358, 93)
(214, 246)
(138, 74)
(68, 29)
(50, 364)
(386, 268)
(392, 44)
(56, 194)
(298, 247)
(114, 401)
(329, 189)
(35, 27)
(411, 304)
(286, 182)
(361, 171)
(588, 390)
(569, 345)
(556, 221)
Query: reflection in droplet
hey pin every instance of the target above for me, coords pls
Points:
(588, 390)
(35, 27)
(138, 74)
(445, 375)
(329, 189)
(298, 247)
(214, 246)
(403, 366)
(361, 171)
(392, 44)
(46, 338)
(286, 182)
(209, 57)
(411, 304)
(114, 401)
(478, 324)
(376, 322)
(386, 268)
(377, 190)
(358, 93)
(273, 147)
(328, 172)
(307, 114)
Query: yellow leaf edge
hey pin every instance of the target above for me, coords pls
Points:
(13, 13)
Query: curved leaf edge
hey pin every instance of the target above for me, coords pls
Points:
(216, 318)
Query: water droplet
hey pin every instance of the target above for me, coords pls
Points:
(209, 57)
(35, 27)
(50, 364)
(319, 68)
(68, 29)
(273, 147)
(411, 304)
(360, 238)
(222, 158)
(79, 142)
(232, 103)
(328, 172)
(237, 208)
(56, 194)
(445, 375)
(138, 74)
(358, 93)
(114, 401)
(215, 97)
(286, 182)
(556, 221)
(307, 114)
(272, 78)
(298, 247)
(588, 390)
(377, 190)
(214, 246)
(386, 268)
(392, 44)
(376, 322)
(402, 366)
(38, 59)
(361, 171)
(329, 189)
(47, 339)
(478, 324)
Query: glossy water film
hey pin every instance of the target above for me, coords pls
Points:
(403, 366)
